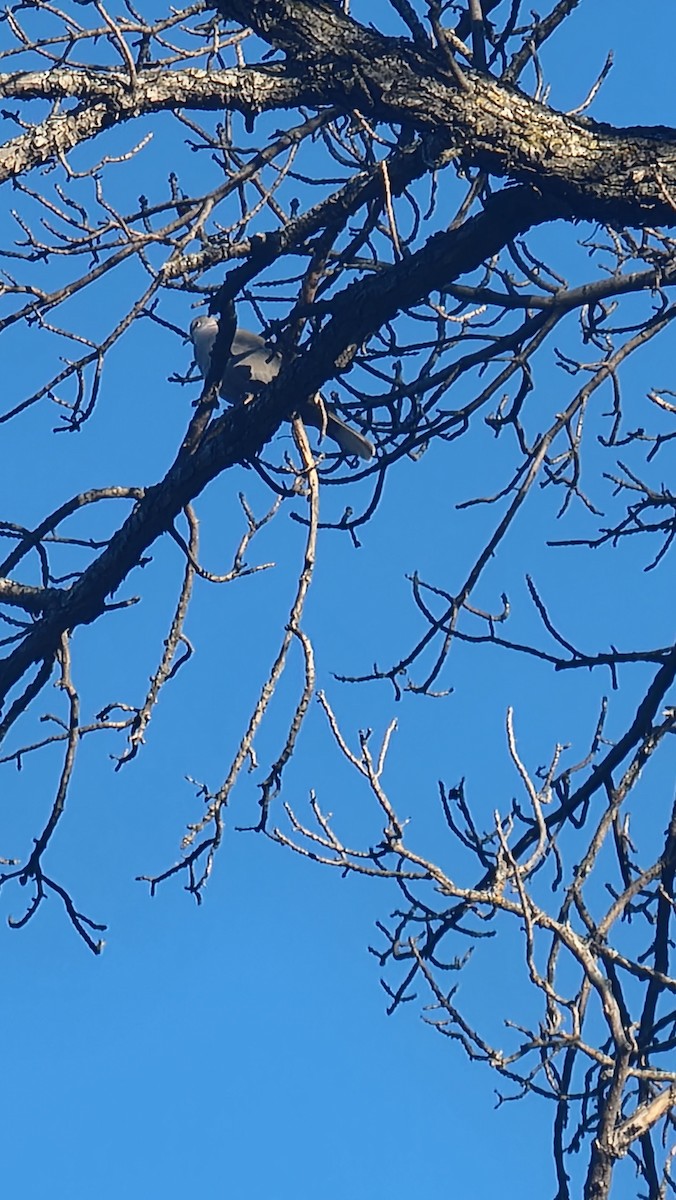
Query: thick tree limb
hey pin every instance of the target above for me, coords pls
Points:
(106, 100)
(606, 174)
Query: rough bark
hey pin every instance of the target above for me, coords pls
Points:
(603, 173)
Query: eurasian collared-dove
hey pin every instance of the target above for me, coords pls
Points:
(252, 365)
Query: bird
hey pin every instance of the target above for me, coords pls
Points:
(252, 364)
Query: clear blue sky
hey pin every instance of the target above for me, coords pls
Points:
(242, 1048)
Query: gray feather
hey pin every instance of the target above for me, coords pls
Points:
(252, 365)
